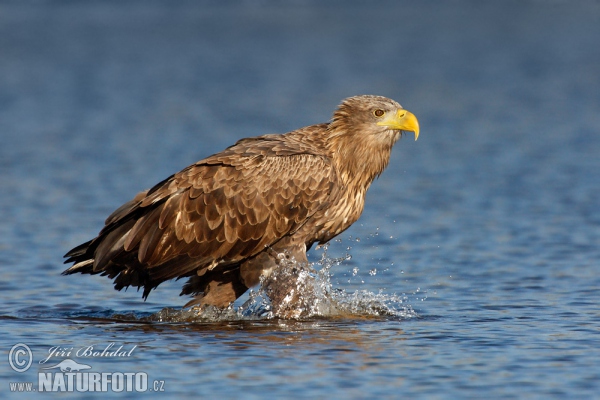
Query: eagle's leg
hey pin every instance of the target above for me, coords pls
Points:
(220, 288)
(285, 275)
(217, 288)
(287, 279)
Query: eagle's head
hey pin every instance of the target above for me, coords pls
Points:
(373, 115)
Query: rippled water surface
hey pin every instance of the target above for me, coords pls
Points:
(474, 270)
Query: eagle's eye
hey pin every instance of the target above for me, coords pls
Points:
(379, 112)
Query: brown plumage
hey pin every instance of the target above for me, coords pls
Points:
(231, 218)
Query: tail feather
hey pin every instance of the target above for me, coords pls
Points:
(75, 253)
(85, 267)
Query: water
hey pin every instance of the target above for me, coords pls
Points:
(473, 270)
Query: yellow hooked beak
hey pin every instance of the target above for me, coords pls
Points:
(401, 120)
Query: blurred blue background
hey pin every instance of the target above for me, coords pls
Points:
(488, 225)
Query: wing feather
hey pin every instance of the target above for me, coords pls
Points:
(222, 209)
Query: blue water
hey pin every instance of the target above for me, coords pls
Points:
(474, 270)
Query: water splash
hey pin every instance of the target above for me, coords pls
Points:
(300, 291)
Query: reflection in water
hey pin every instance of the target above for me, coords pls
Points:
(332, 338)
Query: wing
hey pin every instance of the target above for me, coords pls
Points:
(219, 211)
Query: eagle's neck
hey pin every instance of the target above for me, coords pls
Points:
(361, 157)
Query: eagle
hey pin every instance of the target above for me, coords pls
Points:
(230, 220)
